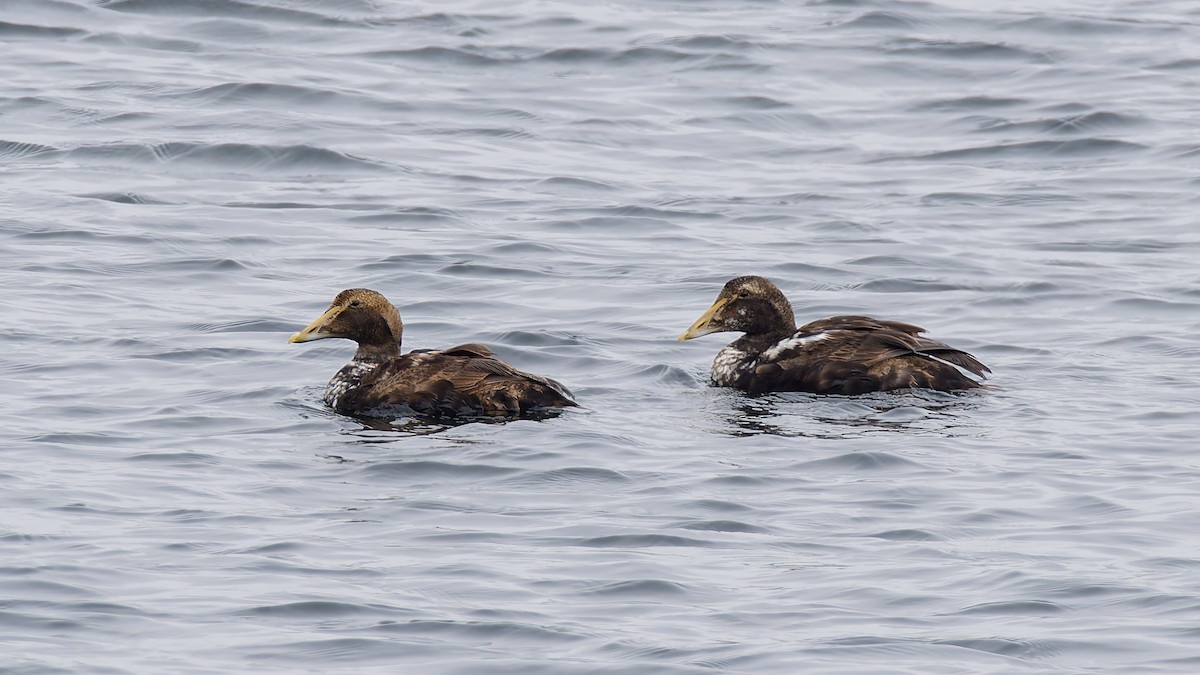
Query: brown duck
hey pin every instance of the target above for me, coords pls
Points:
(838, 355)
(466, 380)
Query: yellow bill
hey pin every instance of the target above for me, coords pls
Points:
(702, 327)
(313, 330)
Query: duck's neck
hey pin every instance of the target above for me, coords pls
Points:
(376, 352)
(755, 343)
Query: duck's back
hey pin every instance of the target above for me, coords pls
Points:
(859, 354)
(463, 380)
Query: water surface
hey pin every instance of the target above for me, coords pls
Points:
(186, 184)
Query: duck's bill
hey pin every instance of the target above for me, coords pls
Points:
(703, 325)
(313, 330)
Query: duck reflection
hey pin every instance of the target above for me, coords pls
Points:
(383, 430)
(824, 416)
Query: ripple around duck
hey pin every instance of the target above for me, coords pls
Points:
(1016, 608)
(19, 589)
(243, 326)
(180, 460)
(39, 624)
(224, 8)
(1147, 306)
(572, 182)
(901, 285)
(721, 506)
(714, 41)
(242, 94)
(970, 104)
(1177, 64)
(478, 630)
(125, 198)
(119, 41)
(485, 271)
(17, 30)
(1024, 649)
(722, 526)
(227, 156)
(357, 651)
(644, 541)
(403, 219)
(1078, 148)
(641, 590)
(20, 150)
(1063, 24)
(571, 478)
(643, 55)
(860, 461)
(881, 19)
(285, 157)
(906, 535)
(1071, 124)
(1082, 148)
(990, 51)
(435, 56)
(1106, 245)
(1175, 564)
(59, 234)
(427, 469)
(317, 610)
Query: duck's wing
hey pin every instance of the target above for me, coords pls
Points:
(476, 373)
(464, 379)
(857, 322)
(843, 338)
(815, 376)
(939, 350)
(495, 387)
(856, 354)
(471, 349)
(822, 357)
(874, 341)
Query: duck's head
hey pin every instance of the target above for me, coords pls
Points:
(360, 315)
(751, 305)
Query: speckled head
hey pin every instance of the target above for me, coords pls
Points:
(751, 305)
(361, 315)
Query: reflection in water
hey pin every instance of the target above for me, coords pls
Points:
(424, 425)
(401, 426)
(404, 423)
(795, 414)
(752, 417)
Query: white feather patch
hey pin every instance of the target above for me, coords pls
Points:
(727, 364)
(346, 378)
(788, 344)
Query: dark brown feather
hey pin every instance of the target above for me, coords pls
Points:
(465, 379)
(443, 383)
(848, 354)
(470, 349)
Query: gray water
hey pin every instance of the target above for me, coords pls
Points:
(184, 184)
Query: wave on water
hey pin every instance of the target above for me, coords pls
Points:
(187, 183)
(280, 159)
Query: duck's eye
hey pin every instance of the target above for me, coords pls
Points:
(743, 293)
(356, 303)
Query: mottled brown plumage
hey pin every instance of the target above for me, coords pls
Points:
(380, 381)
(838, 355)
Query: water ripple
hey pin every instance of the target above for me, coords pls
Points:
(187, 183)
